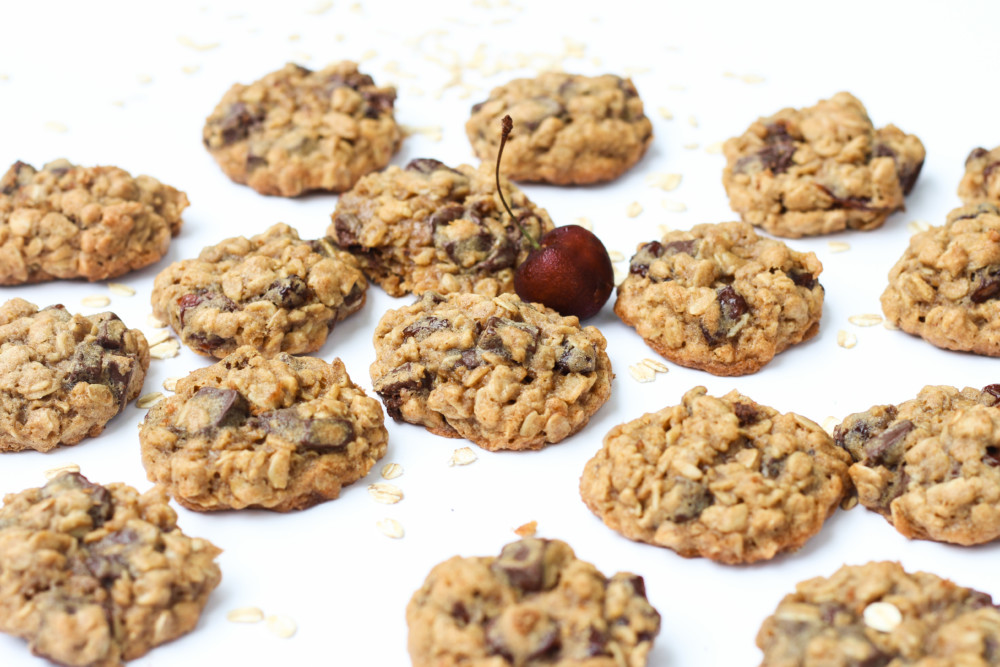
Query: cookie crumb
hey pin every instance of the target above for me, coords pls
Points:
(665, 113)
(674, 206)
(462, 456)
(170, 384)
(121, 290)
(282, 626)
(165, 350)
(633, 210)
(184, 40)
(391, 471)
(642, 373)
(245, 615)
(98, 301)
(387, 494)
(390, 528)
(882, 616)
(656, 366)
(149, 400)
(846, 339)
(838, 246)
(157, 337)
(52, 473)
(155, 322)
(666, 182)
(616, 256)
(55, 126)
(585, 223)
(917, 226)
(865, 319)
(527, 529)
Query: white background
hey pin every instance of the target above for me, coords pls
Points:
(102, 83)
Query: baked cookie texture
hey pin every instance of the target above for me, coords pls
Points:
(720, 298)
(535, 604)
(500, 372)
(273, 291)
(930, 465)
(282, 434)
(297, 130)
(63, 221)
(818, 170)
(93, 576)
(63, 376)
(723, 478)
(981, 182)
(946, 286)
(824, 622)
(431, 227)
(568, 129)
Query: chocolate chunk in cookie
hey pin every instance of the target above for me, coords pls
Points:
(821, 169)
(720, 298)
(571, 129)
(273, 291)
(723, 478)
(981, 182)
(282, 434)
(93, 576)
(64, 221)
(296, 130)
(535, 604)
(500, 372)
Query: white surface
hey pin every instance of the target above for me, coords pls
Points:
(919, 65)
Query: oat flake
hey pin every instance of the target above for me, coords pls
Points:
(882, 616)
(462, 456)
(387, 494)
(170, 384)
(666, 182)
(616, 256)
(838, 246)
(165, 350)
(149, 400)
(157, 337)
(846, 340)
(642, 373)
(245, 615)
(633, 210)
(390, 528)
(99, 301)
(121, 290)
(282, 626)
(865, 319)
(391, 471)
(52, 473)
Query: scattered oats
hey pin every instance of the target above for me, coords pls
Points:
(616, 256)
(729, 75)
(585, 223)
(387, 494)
(528, 529)
(676, 86)
(432, 132)
(118, 103)
(157, 337)
(829, 424)
(98, 301)
(416, 91)
(890, 325)
(917, 226)
(657, 366)
(368, 55)
(573, 49)
(665, 113)
(620, 275)
(462, 456)
(838, 246)
(282, 626)
(143, 79)
(245, 615)
(149, 400)
(714, 148)
(674, 206)
(165, 350)
(692, 121)
(294, 37)
(665, 182)
(121, 290)
(391, 471)
(190, 69)
(301, 55)
(170, 384)
(633, 210)
(846, 339)
(320, 7)
(56, 126)
(184, 40)
(883, 616)
(752, 78)
(52, 473)
(390, 528)
(642, 372)
(865, 319)
(155, 322)
(691, 146)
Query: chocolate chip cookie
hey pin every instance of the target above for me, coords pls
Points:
(283, 434)
(63, 376)
(93, 576)
(431, 227)
(879, 614)
(946, 286)
(273, 291)
(821, 169)
(500, 372)
(297, 130)
(723, 478)
(568, 129)
(536, 604)
(981, 182)
(720, 298)
(63, 221)
(931, 465)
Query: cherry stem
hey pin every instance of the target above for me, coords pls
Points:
(508, 125)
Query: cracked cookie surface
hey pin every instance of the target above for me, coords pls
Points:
(63, 221)
(429, 227)
(93, 576)
(274, 291)
(720, 298)
(535, 604)
(981, 182)
(282, 434)
(568, 129)
(930, 465)
(946, 286)
(723, 478)
(497, 371)
(296, 130)
(63, 376)
(818, 170)
(824, 621)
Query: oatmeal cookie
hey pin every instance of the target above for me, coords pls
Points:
(500, 372)
(821, 169)
(431, 227)
(62, 376)
(879, 614)
(273, 291)
(930, 465)
(64, 221)
(720, 298)
(726, 479)
(297, 130)
(536, 604)
(981, 182)
(946, 286)
(283, 434)
(568, 129)
(93, 576)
